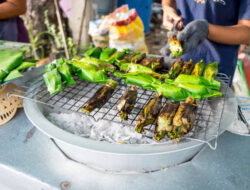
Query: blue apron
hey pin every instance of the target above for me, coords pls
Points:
(218, 12)
(8, 29)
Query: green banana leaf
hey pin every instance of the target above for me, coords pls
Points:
(139, 79)
(93, 52)
(198, 68)
(25, 65)
(174, 92)
(98, 63)
(192, 79)
(133, 67)
(106, 53)
(65, 73)
(200, 90)
(90, 73)
(53, 81)
(50, 67)
(9, 60)
(13, 75)
(118, 56)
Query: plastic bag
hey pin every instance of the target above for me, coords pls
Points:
(126, 30)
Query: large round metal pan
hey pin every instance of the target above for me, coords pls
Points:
(121, 157)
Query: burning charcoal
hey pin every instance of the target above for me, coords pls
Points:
(101, 96)
(149, 114)
(127, 102)
(165, 120)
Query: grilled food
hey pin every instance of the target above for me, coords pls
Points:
(198, 68)
(93, 52)
(211, 70)
(153, 62)
(184, 119)
(106, 53)
(101, 96)
(175, 46)
(165, 120)
(149, 114)
(188, 68)
(133, 67)
(176, 69)
(127, 102)
(137, 58)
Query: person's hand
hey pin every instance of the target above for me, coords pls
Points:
(193, 35)
(171, 18)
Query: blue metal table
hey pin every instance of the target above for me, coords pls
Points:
(29, 160)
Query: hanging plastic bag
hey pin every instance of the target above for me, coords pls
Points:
(126, 30)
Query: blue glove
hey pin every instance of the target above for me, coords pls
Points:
(193, 35)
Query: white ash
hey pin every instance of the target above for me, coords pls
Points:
(102, 130)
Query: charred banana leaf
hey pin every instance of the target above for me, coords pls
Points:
(106, 53)
(101, 96)
(133, 67)
(188, 68)
(127, 102)
(137, 58)
(165, 120)
(149, 114)
(198, 68)
(211, 70)
(184, 119)
(127, 58)
(176, 69)
(175, 46)
(153, 62)
(118, 56)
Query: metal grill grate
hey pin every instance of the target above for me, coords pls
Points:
(74, 97)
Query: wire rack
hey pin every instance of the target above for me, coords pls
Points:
(74, 97)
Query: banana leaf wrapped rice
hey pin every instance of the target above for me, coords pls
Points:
(175, 46)
(149, 113)
(101, 96)
(211, 70)
(187, 68)
(176, 69)
(127, 102)
(184, 118)
(153, 62)
(198, 68)
(165, 120)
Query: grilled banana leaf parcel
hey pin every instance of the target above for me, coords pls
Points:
(192, 79)
(101, 96)
(198, 68)
(139, 79)
(65, 73)
(149, 114)
(133, 67)
(153, 62)
(127, 58)
(53, 81)
(176, 69)
(200, 90)
(173, 92)
(90, 73)
(175, 46)
(117, 56)
(98, 63)
(165, 120)
(25, 65)
(187, 68)
(211, 70)
(184, 119)
(127, 102)
(106, 53)
(137, 58)
(13, 75)
(93, 52)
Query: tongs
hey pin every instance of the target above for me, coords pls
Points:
(242, 118)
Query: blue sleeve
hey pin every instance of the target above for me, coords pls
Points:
(244, 11)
